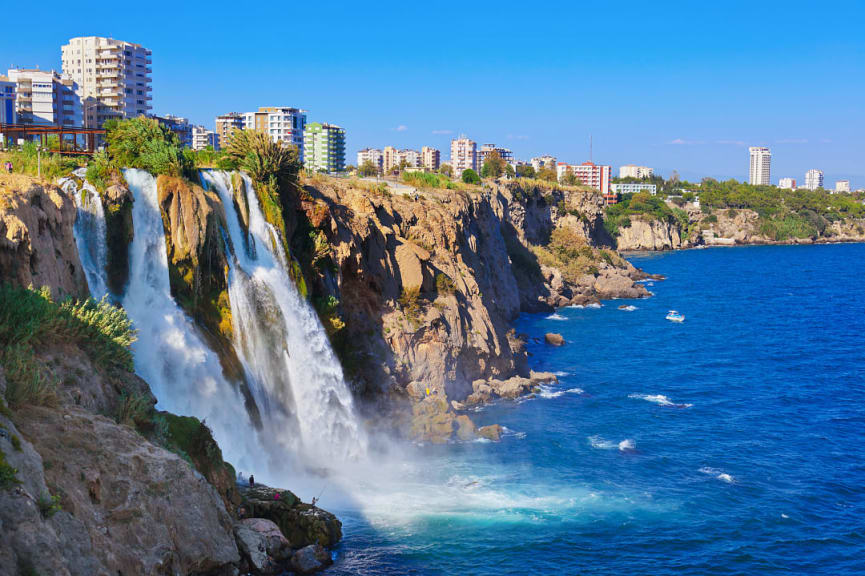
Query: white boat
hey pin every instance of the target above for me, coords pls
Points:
(674, 316)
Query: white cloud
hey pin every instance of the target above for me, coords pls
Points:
(517, 137)
(401, 128)
(732, 142)
(442, 131)
(682, 142)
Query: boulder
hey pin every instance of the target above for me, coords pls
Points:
(492, 432)
(310, 559)
(301, 524)
(465, 428)
(410, 261)
(554, 339)
(262, 544)
(432, 421)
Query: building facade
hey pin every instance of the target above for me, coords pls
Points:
(634, 188)
(842, 187)
(284, 124)
(589, 174)
(225, 125)
(113, 77)
(202, 138)
(431, 158)
(180, 126)
(540, 162)
(813, 179)
(394, 158)
(324, 147)
(373, 155)
(632, 171)
(787, 183)
(464, 155)
(45, 97)
(761, 166)
(485, 150)
(8, 114)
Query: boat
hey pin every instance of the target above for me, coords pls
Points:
(674, 316)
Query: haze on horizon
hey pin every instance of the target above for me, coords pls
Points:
(673, 87)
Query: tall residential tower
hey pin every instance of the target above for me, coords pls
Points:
(324, 147)
(113, 78)
(761, 163)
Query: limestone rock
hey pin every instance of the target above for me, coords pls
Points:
(645, 234)
(492, 432)
(262, 543)
(301, 524)
(432, 421)
(465, 428)
(310, 559)
(554, 339)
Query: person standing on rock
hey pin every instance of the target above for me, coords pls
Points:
(251, 481)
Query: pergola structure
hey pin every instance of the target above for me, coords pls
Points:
(72, 140)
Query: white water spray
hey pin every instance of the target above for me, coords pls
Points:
(295, 378)
(89, 232)
(184, 374)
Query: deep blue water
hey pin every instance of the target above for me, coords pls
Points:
(760, 469)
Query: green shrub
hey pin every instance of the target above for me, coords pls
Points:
(49, 505)
(444, 284)
(146, 144)
(429, 180)
(470, 177)
(409, 301)
(8, 474)
(134, 410)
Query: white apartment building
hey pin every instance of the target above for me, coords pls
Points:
(284, 125)
(113, 77)
(787, 183)
(632, 171)
(539, 162)
(394, 158)
(813, 179)
(7, 101)
(634, 188)
(45, 97)
(431, 158)
(202, 138)
(372, 155)
(588, 173)
(485, 150)
(761, 164)
(464, 155)
(842, 186)
(225, 125)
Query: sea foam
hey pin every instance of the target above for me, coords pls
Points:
(658, 399)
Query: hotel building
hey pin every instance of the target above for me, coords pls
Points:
(634, 188)
(588, 173)
(45, 97)
(842, 186)
(761, 163)
(113, 78)
(632, 171)
(324, 146)
(813, 179)
(787, 183)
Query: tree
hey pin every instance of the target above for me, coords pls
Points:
(494, 165)
(509, 171)
(446, 170)
(471, 177)
(144, 143)
(548, 174)
(525, 171)
(262, 158)
(571, 179)
(368, 168)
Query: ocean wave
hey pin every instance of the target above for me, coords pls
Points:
(508, 432)
(550, 392)
(561, 373)
(599, 442)
(628, 308)
(583, 306)
(556, 316)
(658, 399)
(720, 475)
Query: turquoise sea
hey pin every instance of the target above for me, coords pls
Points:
(733, 443)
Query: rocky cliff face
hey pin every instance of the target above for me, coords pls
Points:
(37, 242)
(645, 234)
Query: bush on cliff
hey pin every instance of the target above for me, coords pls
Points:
(28, 160)
(570, 253)
(29, 318)
(145, 143)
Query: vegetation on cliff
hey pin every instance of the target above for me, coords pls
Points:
(28, 160)
(643, 205)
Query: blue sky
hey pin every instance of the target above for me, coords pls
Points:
(681, 85)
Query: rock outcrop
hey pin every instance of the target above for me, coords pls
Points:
(649, 234)
(301, 524)
(37, 241)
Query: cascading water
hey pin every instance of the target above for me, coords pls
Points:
(183, 372)
(296, 379)
(89, 231)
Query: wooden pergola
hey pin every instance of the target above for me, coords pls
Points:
(69, 137)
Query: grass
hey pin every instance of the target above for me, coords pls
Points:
(444, 284)
(49, 505)
(429, 180)
(30, 319)
(134, 410)
(8, 474)
(409, 301)
(26, 160)
(570, 253)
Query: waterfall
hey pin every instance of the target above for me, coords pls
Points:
(294, 375)
(184, 374)
(89, 231)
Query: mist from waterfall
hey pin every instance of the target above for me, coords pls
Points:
(184, 374)
(296, 379)
(89, 231)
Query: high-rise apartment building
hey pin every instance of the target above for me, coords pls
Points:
(324, 147)
(113, 77)
(588, 173)
(541, 162)
(202, 138)
(813, 179)
(842, 186)
(761, 163)
(431, 158)
(393, 158)
(7, 101)
(787, 183)
(179, 126)
(225, 125)
(284, 124)
(372, 155)
(632, 171)
(45, 97)
(464, 155)
(485, 150)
